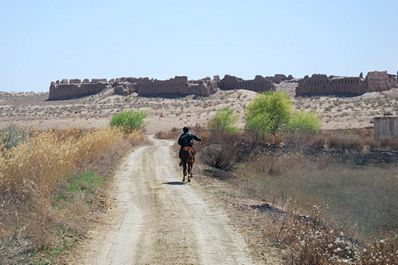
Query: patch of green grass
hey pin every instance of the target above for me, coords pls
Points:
(129, 121)
(79, 189)
(88, 181)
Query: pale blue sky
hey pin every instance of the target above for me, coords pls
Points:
(44, 40)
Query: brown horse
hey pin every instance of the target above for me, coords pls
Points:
(188, 159)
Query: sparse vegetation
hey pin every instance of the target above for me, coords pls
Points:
(13, 135)
(128, 120)
(273, 111)
(172, 134)
(224, 121)
(269, 112)
(35, 174)
(347, 213)
(303, 121)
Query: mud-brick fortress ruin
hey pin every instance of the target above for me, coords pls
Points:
(174, 87)
(319, 84)
(180, 86)
(258, 84)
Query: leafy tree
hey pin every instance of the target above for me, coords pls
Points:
(129, 120)
(273, 111)
(224, 120)
(269, 112)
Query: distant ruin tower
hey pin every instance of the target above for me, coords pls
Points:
(361, 75)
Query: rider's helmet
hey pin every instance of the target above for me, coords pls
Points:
(185, 129)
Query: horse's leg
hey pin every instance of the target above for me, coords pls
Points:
(189, 171)
(184, 170)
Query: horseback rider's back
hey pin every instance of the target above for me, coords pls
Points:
(187, 139)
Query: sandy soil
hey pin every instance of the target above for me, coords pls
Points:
(155, 219)
(95, 111)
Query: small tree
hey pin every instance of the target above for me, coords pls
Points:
(269, 112)
(273, 111)
(128, 120)
(224, 120)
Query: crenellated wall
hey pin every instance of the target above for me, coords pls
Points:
(174, 87)
(319, 84)
(74, 88)
(258, 84)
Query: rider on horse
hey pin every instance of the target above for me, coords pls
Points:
(187, 139)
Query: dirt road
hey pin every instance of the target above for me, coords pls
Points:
(156, 220)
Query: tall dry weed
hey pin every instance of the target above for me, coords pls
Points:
(34, 171)
(42, 163)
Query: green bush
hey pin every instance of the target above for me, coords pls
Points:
(269, 112)
(273, 111)
(129, 120)
(13, 135)
(224, 120)
(304, 121)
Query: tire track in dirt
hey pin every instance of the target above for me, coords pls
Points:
(156, 220)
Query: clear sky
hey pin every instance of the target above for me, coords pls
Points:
(44, 40)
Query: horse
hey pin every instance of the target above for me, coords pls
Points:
(188, 159)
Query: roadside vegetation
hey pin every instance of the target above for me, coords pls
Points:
(129, 120)
(224, 120)
(52, 186)
(273, 112)
(332, 195)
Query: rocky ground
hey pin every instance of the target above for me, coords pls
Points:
(33, 110)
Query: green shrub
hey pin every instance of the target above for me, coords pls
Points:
(273, 111)
(269, 112)
(224, 120)
(13, 135)
(304, 122)
(129, 120)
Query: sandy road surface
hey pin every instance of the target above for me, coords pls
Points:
(156, 220)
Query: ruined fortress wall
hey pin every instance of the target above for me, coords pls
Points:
(258, 84)
(173, 87)
(66, 89)
(345, 86)
(324, 85)
(380, 81)
(178, 86)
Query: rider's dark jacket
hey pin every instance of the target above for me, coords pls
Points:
(186, 139)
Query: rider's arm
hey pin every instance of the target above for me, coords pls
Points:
(196, 138)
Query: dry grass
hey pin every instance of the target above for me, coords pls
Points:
(41, 165)
(34, 172)
(172, 134)
(309, 242)
(336, 197)
(359, 197)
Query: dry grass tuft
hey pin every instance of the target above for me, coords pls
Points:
(172, 134)
(34, 172)
(337, 196)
